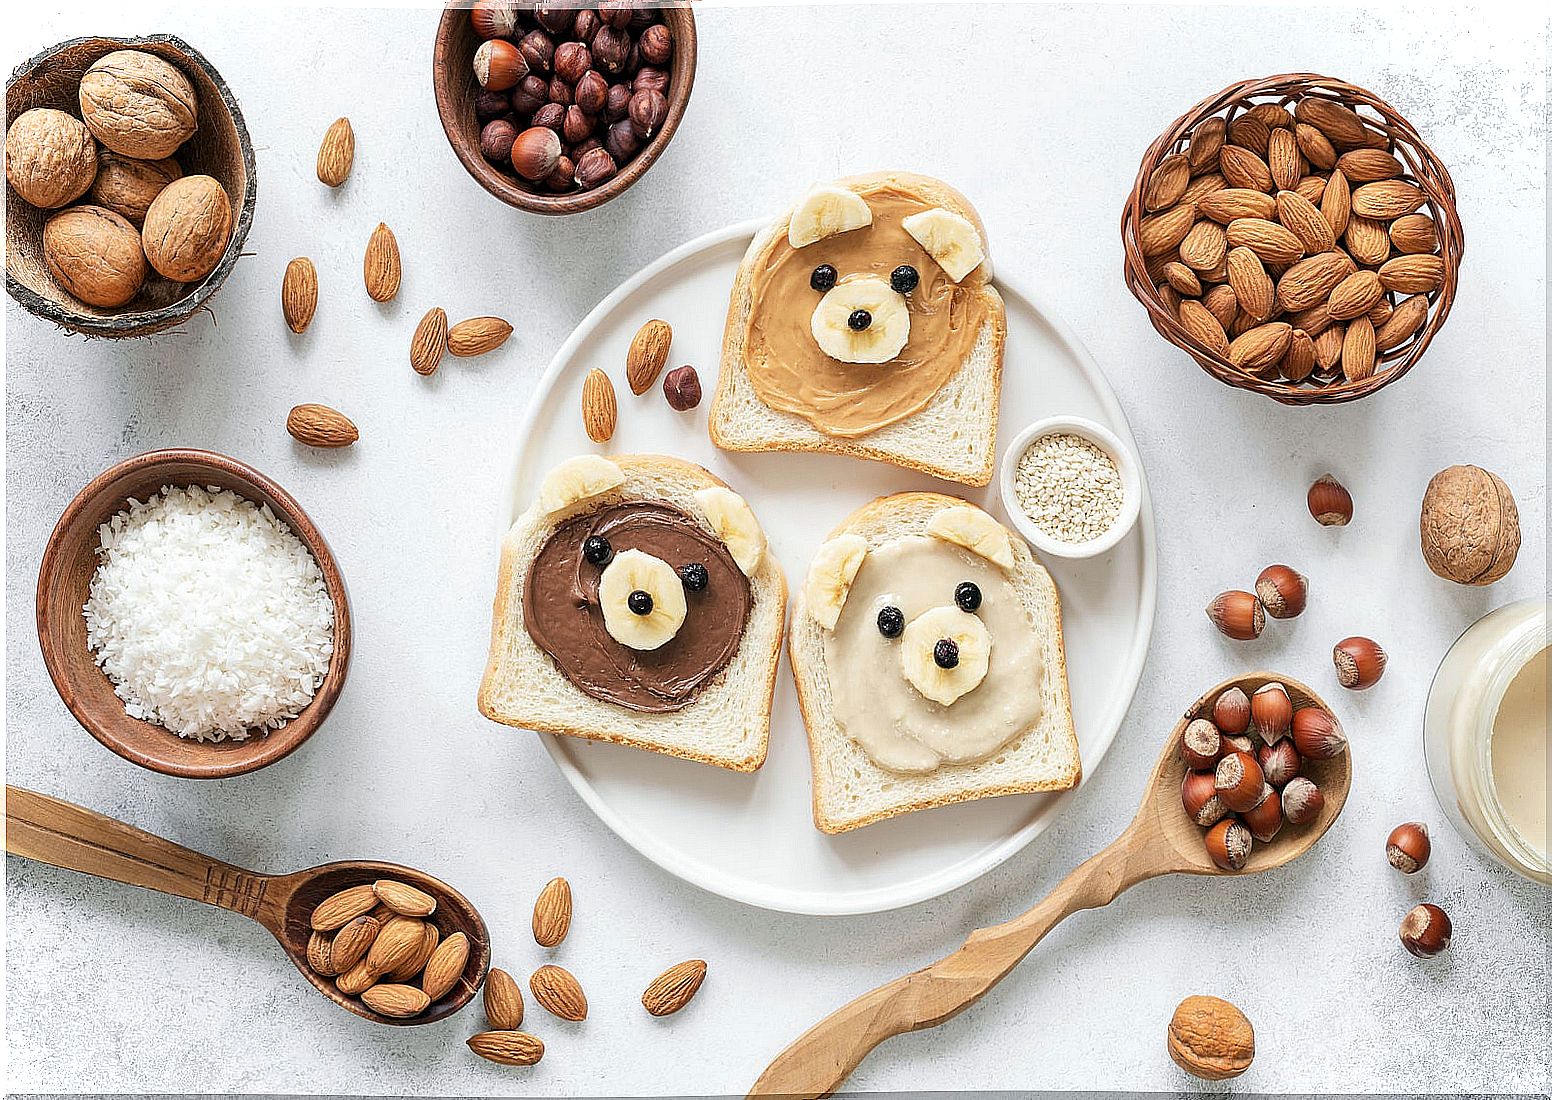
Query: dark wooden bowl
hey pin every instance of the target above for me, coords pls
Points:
(65, 577)
(452, 78)
(220, 149)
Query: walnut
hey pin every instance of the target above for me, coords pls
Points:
(50, 157)
(139, 105)
(1210, 1038)
(1470, 525)
(95, 255)
(127, 186)
(187, 227)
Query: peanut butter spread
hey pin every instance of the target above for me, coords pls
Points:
(789, 371)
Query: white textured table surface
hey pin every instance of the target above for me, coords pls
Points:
(1040, 115)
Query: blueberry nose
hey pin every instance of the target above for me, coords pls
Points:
(859, 320)
(946, 653)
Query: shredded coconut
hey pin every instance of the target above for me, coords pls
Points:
(1068, 487)
(208, 614)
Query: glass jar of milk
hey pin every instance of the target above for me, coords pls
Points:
(1485, 736)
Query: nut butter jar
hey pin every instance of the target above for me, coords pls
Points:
(1485, 737)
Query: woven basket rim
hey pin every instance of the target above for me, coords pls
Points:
(148, 322)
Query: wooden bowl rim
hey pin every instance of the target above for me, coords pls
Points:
(498, 183)
(133, 324)
(257, 751)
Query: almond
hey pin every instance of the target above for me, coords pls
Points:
(1165, 185)
(599, 410)
(1379, 313)
(396, 1000)
(398, 941)
(1261, 347)
(337, 153)
(1313, 320)
(1366, 239)
(476, 336)
(1183, 279)
(1315, 146)
(1202, 186)
(1160, 233)
(509, 1048)
(1368, 165)
(381, 268)
(321, 426)
(1274, 115)
(1203, 327)
(1328, 347)
(1298, 362)
(1171, 299)
(1222, 304)
(1311, 280)
(1358, 350)
(1249, 131)
(1205, 144)
(1336, 203)
(429, 342)
(299, 294)
(672, 989)
(352, 941)
(1204, 247)
(552, 910)
(1230, 203)
(558, 993)
(430, 937)
(1312, 189)
(647, 355)
(1406, 319)
(1268, 240)
(1387, 199)
(320, 957)
(1282, 159)
(1242, 168)
(1354, 295)
(1252, 285)
(403, 898)
(1416, 274)
(357, 980)
(1300, 217)
(1413, 233)
(338, 910)
(503, 1001)
(445, 966)
(1340, 124)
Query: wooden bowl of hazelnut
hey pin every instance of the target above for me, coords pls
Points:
(556, 109)
(130, 184)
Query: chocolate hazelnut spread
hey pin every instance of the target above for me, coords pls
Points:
(791, 373)
(562, 613)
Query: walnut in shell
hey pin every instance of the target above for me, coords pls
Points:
(95, 255)
(50, 157)
(128, 186)
(139, 105)
(1211, 1039)
(1470, 525)
(187, 227)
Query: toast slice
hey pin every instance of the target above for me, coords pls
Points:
(727, 724)
(849, 789)
(954, 437)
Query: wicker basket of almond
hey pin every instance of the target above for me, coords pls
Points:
(1296, 237)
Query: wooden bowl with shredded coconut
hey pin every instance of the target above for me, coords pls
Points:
(64, 584)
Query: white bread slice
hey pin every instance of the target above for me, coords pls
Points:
(727, 724)
(954, 437)
(849, 789)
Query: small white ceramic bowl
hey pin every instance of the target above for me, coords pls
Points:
(1103, 438)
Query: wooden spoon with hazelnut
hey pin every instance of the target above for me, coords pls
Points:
(1161, 840)
(77, 839)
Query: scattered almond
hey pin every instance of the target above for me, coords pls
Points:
(672, 989)
(403, 898)
(337, 153)
(503, 1001)
(299, 294)
(552, 910)
(429, 342)
(338, 910)
(477, 335)
(509, 1048)
(558, 993)
(321, 426)
(352, 942)
(396, 1000)
(648, 353)
(599, 410)
(445, 966)
(382, 268)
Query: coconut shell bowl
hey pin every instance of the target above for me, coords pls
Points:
(220, 148)
(64, 579)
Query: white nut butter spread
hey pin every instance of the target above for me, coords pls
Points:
(874, 700)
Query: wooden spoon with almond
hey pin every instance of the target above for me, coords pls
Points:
(1161, 840)
(65, 835)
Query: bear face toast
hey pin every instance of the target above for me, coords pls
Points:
(863, 322)
(637, 604)
(926, 645)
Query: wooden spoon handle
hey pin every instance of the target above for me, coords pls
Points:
(78, 839)
(825, 1055)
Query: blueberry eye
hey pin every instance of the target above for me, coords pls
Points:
(823, 277)
(859, 320)
(904, 279)
(967, 595)
(890, 622)
(596, 550)
(639, 602)
(946, 653)
(694, 576)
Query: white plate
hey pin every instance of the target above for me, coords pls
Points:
(751, 838)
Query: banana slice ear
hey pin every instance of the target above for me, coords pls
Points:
(732, 519)
(966, 525)
(949, 238)
(825, 211)
(578, 479)
(830, 575)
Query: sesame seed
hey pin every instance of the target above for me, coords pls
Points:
(1068, 487)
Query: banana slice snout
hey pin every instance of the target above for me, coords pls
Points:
(944, 653)
(862, 319)
(642, 599)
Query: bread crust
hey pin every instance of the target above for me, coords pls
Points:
(817, 722)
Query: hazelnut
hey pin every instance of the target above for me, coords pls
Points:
(1360, 663)
(560, 179)
(646, 112)
(1228, 844)
(1470, 526)
(552, 116)
(656, 44)
(1279, 762)
(650, 80)
(50, 157)
(1231, 711)
(616, 13)
(1408, 847)
(1329, 502)
(1239, 781)
(95, 255)
(578, 124)
(621, 140)
(489, 105)
(594, 167)
(1302, 801)
(642, 16)
(494, 18)
(558, 91)
(558, 19)
(531, 93)
(1200, 743)
(633, 59)
(1238, 742)
(1211, 1039)
(1282, 591)
(137, 104)
(682, 387)
(611, 50)
(591, 92)
(1237, 615)
(496, 140)
(583, 147)
(187, 228)
(1425, 930)
(617, 102)
(572, 60)
(1272, 711)
(1316, 734)
(535, 152)
(498, 65)
(538, 49)
(586, 25)
(1200, 799)
(1265, 817)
